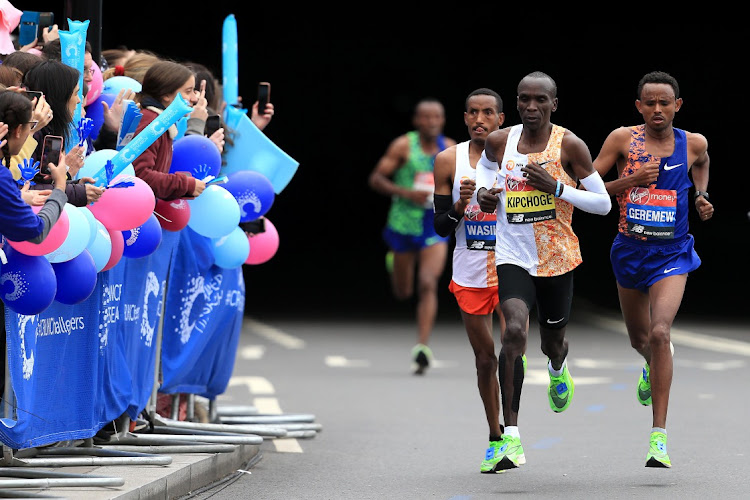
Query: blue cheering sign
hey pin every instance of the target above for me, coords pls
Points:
(131, 117)
(72, 52)
(229, 60)
(146, 138)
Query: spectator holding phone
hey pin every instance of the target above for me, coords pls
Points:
(207, 93)
(59, 84)
(40, 117)
(161, 85)
(262, 110)
(17, 221)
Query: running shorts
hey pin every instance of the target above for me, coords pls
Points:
(399, 242)
(552, 295)
(637, 265)
(472, 300)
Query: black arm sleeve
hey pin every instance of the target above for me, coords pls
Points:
(446, 218)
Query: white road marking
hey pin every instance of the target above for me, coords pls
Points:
(256, 385)
(683, 337)
(342, 362)
(273, 334)
(270, 406)
(252, 351)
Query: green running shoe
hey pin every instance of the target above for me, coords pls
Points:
(503, 455)
(515, 451)
(421, 356)
(644, 386)
(389, 262)
(493, 455)
(657, 451)
(561, 391)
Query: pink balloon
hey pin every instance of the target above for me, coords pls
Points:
(52, 242)
(263, 245)
(95, 86)
(125, 208)
(118, 245)
(173, 215)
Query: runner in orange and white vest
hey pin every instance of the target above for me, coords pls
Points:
(529, 173)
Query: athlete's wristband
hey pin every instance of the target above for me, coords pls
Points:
(701, 193)
(446, 217)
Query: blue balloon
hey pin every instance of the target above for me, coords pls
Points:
(142, 240)
(92, 224)
(197, 155)
(214, 213)
(76, 278)
(253, 192)
(95, 111)
(232, 250)
(253, 150)
(27, 282)
(101, 248)
(115, 84)
(79, 234)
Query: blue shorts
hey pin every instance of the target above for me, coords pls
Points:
(399, 242)
(637, 265)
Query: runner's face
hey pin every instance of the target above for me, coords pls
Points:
(535, 102)
(430, 119)
(481, 116)
(658, 105)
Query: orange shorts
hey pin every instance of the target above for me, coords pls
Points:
(475, 300)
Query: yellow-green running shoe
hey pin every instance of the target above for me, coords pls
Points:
(561, 391)
(503, 455)
(644, 382)
(644, 386)
(495, 452)
(657, 451)
(421, 356)
(389, 262)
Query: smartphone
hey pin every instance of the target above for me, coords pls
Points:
(256, 226)
(51, 151)
(46, 19)
(28, 28)
(264, 95)
(31, 94)
(213, 123)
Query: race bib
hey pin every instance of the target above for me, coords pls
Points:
(425, 181)
(651, 212)
(479, 229)
(524, 204)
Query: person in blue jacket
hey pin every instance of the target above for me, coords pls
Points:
(18, 222)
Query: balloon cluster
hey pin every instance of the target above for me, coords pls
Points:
(83, 242)
(226, 203)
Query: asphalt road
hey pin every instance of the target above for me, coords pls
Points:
(385, 433)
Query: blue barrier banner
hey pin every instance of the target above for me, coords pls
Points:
(75, 368)
(140, 313)
(54, 361)
(203, 320)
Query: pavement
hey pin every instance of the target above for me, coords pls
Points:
(177, 460)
